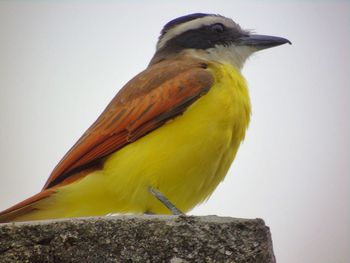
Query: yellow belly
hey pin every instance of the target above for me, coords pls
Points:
(185, 159)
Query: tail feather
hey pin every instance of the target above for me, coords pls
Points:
(25, 207)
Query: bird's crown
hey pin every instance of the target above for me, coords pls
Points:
(199, 30)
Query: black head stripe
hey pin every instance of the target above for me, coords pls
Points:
(203, 38)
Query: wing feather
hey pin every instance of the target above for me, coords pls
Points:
(156, 95)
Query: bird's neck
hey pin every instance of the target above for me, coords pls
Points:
(233, 55)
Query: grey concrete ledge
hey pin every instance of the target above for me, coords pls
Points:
(172, 239)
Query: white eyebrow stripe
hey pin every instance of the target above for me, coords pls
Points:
(194, 24)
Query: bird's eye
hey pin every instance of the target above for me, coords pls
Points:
(217, 28)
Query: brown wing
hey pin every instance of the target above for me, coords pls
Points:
(161, 92)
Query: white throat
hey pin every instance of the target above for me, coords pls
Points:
(234, 55)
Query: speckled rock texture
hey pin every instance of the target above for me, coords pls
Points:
(148, 238)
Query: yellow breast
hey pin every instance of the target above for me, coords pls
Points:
(185, 159)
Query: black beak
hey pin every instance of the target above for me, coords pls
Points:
(261, 41)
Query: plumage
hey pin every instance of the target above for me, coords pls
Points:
(140, 107)
(175, 127)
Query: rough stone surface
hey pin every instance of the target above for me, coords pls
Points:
(172, 239)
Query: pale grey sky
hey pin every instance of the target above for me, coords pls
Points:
(61, 62)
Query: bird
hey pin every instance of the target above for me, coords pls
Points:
(168, 137)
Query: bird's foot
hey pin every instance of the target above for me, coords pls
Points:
(165, 201)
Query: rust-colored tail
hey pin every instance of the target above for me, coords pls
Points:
(24, 207)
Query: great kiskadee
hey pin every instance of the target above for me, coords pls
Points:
(169, 136)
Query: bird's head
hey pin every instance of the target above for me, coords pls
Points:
(211, 37)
